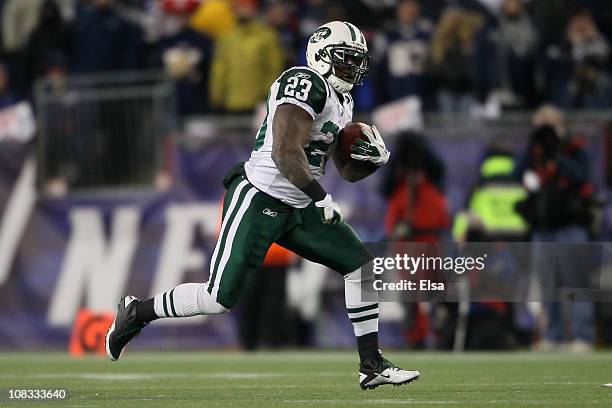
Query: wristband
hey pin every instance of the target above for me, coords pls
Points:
(314, 191)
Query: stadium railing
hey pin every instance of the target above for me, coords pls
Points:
(103, 131)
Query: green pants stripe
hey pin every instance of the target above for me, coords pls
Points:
(231, 235)
(227, 216)
(253, 220)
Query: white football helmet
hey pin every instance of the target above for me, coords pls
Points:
(338, 51)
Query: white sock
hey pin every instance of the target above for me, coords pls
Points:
(188, 299)
(363, 315)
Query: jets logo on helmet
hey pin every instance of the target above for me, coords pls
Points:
(320, 34)
(338, 51)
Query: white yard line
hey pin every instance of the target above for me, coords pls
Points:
(131, 376)
(441, 402)
(142, 376)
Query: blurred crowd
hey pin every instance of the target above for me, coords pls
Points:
(467, 56)
(543, 193)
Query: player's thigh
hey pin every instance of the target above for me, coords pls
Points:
(335, 246)
(245, 236)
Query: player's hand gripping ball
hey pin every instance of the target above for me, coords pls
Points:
(362, 144)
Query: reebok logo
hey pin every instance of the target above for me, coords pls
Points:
(270, 213)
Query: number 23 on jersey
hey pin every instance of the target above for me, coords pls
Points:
(298, 88)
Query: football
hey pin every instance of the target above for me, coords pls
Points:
(347, 138)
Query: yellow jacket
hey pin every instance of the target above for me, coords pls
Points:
(213, 17)
(247, 60)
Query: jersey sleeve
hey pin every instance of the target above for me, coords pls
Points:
(303, 88)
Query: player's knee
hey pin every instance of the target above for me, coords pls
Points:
(208, 304)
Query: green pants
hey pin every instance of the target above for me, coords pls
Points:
(253, 220)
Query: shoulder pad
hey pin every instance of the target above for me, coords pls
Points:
(304, 85)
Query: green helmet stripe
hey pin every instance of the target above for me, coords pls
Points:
(352, 30)
(360, 37)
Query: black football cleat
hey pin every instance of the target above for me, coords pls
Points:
(124, 328)
(381, 371)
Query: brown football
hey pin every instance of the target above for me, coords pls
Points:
(347, 138)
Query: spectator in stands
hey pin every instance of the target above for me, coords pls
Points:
(490, 211)
(578, 67)
(451, 59)
(555, 171)
(312, 15)
(517, 48)
(550, 17)
(7, 98)
(602, 14)
(66, 136)
(50, 38)
(491, 6)
(214, 18)
(247, 60)
(417, 208)
(279, 17)
(491, 216)
(55, 73)
(105, 41)
(402, 54)
(19, 19)
(185, 54)
(416, 211)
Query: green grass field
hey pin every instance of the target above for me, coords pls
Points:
(309, 379)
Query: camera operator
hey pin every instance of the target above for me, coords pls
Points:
(556, 174)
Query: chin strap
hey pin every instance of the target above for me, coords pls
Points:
(338, 84)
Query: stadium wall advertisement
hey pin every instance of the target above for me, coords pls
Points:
(61, 254)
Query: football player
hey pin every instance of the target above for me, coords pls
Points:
(275, 197)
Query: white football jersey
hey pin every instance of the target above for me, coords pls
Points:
(330, 111)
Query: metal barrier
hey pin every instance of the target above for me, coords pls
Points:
(102, 131)
(105, 132)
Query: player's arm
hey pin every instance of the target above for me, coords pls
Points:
(291, 128)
